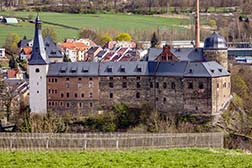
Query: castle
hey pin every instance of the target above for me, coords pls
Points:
(192, 80)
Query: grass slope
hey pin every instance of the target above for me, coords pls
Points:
(146, 158)
(100, 22)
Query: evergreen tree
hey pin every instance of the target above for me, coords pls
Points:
(154, 40)
(13, 63)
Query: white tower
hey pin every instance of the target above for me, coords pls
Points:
(38, 67)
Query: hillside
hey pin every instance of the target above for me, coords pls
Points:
(103, 23)
(147, 159)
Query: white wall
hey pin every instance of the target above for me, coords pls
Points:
(38, 88)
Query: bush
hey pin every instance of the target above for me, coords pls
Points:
(123, 37)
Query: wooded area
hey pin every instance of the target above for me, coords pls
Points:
(134, 6)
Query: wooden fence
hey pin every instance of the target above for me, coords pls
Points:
(110, 141)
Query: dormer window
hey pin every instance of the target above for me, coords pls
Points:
(74, 69)
(109, 69)
(212, 70)
(139, 69)
(85, 70)
(122, 69)
(220, 70)
(190, 71)
(63, 69)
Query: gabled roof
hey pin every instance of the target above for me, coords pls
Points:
(52, 50)
(24, 43)
(188, 54)
(38, 56)
(183, 54)
(153, 54)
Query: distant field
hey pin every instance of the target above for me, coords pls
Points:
(100, 22)
(211, 158)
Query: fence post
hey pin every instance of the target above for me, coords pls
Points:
(117, 144)
(47, 143)
(85, 142)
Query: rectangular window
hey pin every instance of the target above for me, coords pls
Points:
(110, 78)
(138, 78)
(56, 80)
(68, 95)
(201, 85)
(67, 79)
(82, 95)
(62, 95)
(138, 85)
(137, 95)
(49, 80)
(111, 84)
(76, 95)
(90, 95)
(111, 95)
(124, 78)
(190, 85)
(79, 79)
(91, 84)
(49, 91)
(124, 85)
(67, 85)
(173, 85)
(151, 85)
(225, 85)
(164, 85)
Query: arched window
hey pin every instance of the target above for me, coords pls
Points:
(37, 70)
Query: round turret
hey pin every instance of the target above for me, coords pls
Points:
(215, 49)
(215, 42)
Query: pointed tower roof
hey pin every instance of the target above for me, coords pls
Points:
(39, 56)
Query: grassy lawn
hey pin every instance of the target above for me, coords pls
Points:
(147, 159)
(100, 22)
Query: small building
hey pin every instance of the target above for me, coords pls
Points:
(2, 53)
(25, 54)
(10, 20)
(14, 74)
(75, 51)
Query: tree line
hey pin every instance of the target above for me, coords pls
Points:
(134, 6)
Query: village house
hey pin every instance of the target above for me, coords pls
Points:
(75, 51)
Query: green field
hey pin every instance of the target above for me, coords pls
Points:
(99, 22)
(129, 159)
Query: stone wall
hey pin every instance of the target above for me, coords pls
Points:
(197, 95)
(220, 56)
(221, 91)
(168, 95)
(132, 91)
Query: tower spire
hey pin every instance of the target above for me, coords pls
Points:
(38, 56)
(197, 26)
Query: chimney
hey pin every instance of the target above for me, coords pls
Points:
(197, 26)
